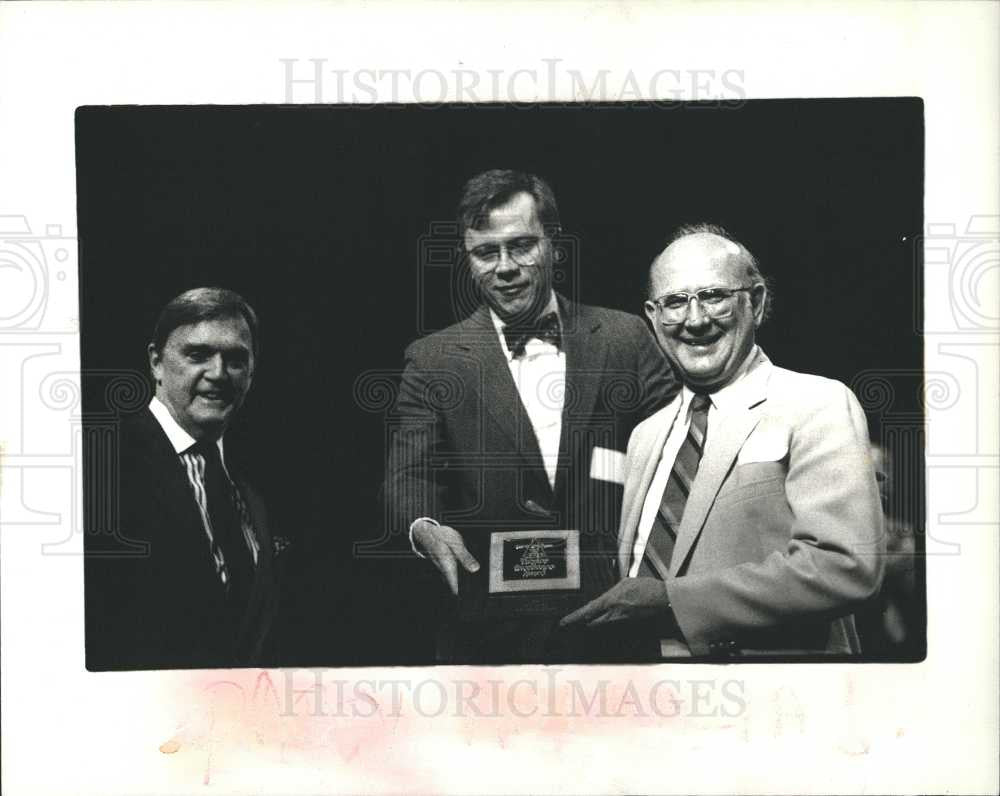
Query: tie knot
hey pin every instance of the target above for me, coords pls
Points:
(544, 328)
(208, 449)
(700, 402)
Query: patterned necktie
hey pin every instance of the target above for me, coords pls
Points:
(546, 328)
(660, 545)
(227, 529)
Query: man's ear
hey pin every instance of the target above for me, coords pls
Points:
(155, 363)
(758, 298)
(650, 309)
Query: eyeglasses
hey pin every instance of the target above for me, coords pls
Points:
(523, 251)
(715, 302)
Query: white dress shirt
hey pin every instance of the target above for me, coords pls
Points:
(540, 377)
(178, 437)
(723, 401)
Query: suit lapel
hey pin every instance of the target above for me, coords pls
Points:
(171, 488)
(489, 371)
(648, 450)
(586, 358)
(722, 446)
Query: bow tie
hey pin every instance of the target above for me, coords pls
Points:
(545, 328)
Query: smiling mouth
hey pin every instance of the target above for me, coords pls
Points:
(510, 290)
(214, 397)
(703, 343)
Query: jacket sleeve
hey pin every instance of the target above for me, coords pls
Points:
(412, 488)
(657, 381)
(834, 557)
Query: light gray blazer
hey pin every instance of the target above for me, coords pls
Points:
(782, 535)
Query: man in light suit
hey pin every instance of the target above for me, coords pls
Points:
(517, 416)
(751, 520)
(195, 585)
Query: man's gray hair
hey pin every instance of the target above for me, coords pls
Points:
(753, 272)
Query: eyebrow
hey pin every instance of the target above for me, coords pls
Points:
(191, 348)
(516, 239)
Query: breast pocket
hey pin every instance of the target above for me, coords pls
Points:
(753, 480)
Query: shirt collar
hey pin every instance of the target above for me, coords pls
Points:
(180, 440)
(499, 325)
(733, 393)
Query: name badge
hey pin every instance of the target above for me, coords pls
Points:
(607, 464)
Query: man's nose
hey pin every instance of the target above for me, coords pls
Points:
(696, 316)
(505, 263)
(216, 367)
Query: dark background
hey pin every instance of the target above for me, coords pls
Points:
(326, 219)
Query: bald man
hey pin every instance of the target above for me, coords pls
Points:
(751, 521)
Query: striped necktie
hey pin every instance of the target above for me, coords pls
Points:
(223, 509)
(660, 545)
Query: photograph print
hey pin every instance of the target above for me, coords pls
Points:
(496, 384)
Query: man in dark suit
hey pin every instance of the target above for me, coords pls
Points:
(517, 416)
(194, 587)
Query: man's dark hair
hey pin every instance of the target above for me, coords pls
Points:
(487, 191)
(204, 304)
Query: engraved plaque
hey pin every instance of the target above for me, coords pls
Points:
(534, 561)
(539, 573)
